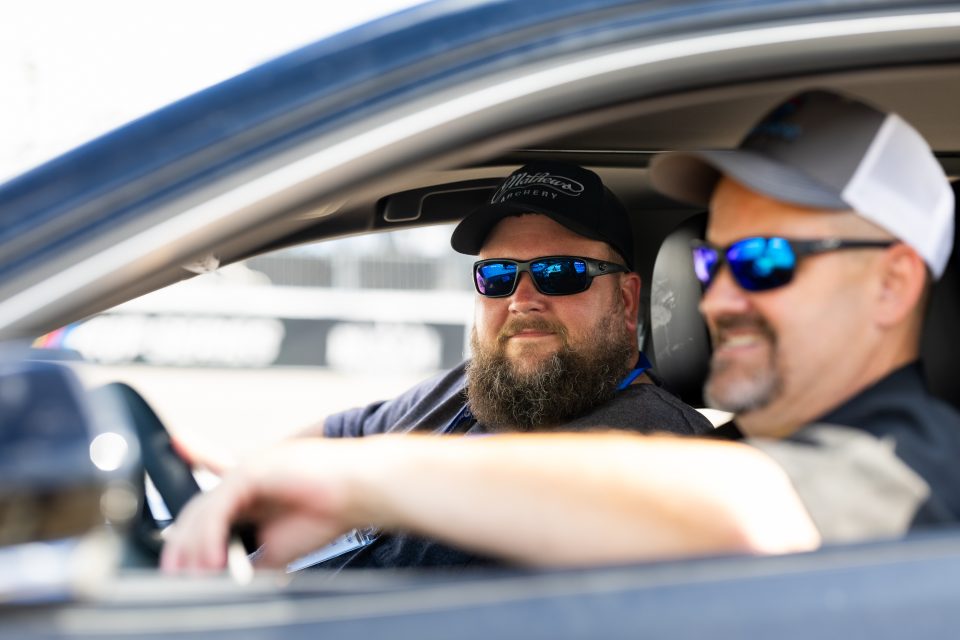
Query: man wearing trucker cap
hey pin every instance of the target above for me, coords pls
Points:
(826, 227)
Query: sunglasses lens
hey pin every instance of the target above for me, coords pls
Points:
(759, 264)
(495, 278)
(705, 264)
(560, 276)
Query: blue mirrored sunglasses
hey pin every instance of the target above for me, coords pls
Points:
(551, 275)
(763, 263)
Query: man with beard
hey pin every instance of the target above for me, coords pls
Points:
(826, 227)
(554, 344)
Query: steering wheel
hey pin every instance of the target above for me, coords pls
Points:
(170, 473)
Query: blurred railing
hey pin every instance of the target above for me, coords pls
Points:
(394, 302)
(344, 271)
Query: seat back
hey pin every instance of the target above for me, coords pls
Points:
(678, 341)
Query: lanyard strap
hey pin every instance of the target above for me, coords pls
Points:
(464, 415)
(642, 366)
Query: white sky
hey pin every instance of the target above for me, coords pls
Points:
(70, 70)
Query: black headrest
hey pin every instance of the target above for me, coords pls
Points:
(940, 347)
(679, 344)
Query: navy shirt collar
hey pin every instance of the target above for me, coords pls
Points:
(907, 379)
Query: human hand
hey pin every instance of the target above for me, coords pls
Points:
(299, 495)
(203, 454)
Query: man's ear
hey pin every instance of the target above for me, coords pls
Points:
(903, 277)
(630, 285)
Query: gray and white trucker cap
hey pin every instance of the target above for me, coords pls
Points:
(823, 150)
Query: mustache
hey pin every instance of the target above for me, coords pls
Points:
(725, 324)
(513, 327)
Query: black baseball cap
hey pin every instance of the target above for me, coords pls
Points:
(569, 195)
(825, 150)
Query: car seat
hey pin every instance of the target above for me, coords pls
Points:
(678, 342)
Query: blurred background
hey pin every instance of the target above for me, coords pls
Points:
(72, 70)
(254, 351)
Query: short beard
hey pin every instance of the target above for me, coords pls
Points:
(746, 390)
(564, 386)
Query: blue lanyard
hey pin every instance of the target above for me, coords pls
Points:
(641, 367)
(465, 415)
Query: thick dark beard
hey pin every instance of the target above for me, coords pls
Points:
(565, 386)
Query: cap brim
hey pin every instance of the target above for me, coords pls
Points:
(468, 237)
(691, 176)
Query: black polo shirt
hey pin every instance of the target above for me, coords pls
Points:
(885, 462)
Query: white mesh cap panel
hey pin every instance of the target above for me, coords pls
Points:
(901, 186)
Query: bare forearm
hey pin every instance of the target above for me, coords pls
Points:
(315, 430)
(558, 500)
(568, 500)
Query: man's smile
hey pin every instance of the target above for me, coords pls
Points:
(740, 336)
(739, 341)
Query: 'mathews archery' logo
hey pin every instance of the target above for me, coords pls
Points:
(543, 184)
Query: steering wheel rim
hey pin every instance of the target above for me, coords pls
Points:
(169, 472)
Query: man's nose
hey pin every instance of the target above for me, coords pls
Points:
(525, 298)
(723, 296)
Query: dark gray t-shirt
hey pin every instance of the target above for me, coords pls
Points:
(434, 407)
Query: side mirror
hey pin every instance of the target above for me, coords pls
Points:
(68, 458)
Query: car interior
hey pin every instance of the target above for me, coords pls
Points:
(617, 143)
(673, 333)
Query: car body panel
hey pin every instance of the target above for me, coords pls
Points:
(880, 590)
